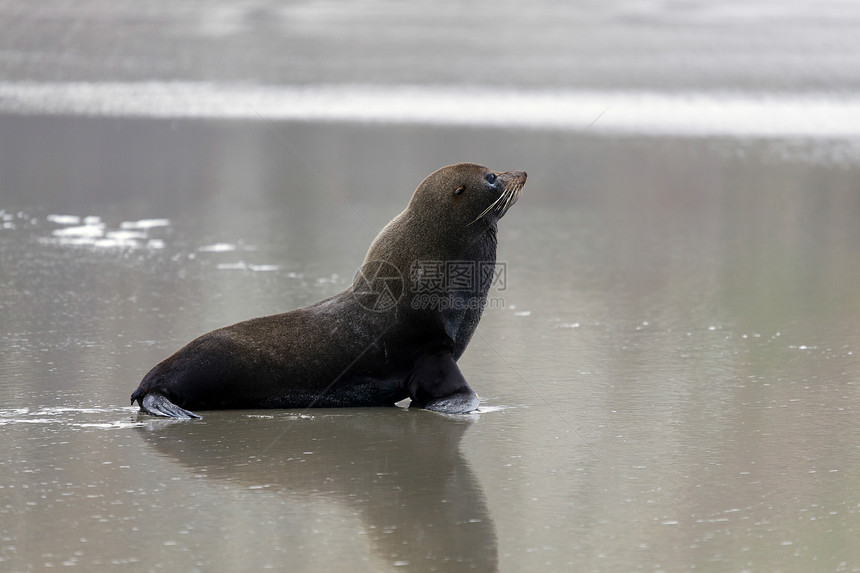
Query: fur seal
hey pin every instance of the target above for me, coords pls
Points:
(377, 342)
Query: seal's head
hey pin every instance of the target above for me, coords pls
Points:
(452, 216)
(468, 195)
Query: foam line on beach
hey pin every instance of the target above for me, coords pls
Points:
(696, 114)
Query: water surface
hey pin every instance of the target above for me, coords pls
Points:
(669, 377)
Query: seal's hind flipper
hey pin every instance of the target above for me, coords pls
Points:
(158, 405)
(437, 384)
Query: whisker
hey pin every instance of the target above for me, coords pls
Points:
(504, 202)
(511, 197)
(504, 206)
(509, 194)
(488, 209)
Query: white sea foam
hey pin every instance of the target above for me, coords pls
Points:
(698, 114)
(243, 266)
(116, 425)
(144, 224)
(125, 235)
(482, 409)
(81, 231)
(64, 219)
(95, 233)
(69, 416)
(218, 248)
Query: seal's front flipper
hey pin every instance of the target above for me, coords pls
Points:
(461, 403)
(158, 405)
(437, 384)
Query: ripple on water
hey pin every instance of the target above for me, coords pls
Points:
(110, 418)
(490, 409)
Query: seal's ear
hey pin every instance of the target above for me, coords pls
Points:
(459, 189)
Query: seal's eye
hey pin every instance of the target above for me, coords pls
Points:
(459, 189)
(491, 178)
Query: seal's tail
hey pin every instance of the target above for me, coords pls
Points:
(158, 405)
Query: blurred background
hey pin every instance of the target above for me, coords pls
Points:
(669, 379)
(621, 44)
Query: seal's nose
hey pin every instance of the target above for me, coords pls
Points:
(519, 176)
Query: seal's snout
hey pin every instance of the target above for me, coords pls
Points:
(508, 184)
(518, 175)
(513, 185)
(513, 181)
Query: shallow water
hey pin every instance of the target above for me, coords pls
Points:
(669, 376)
(669, 372)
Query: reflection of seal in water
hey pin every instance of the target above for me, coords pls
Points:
(379, 341)
(417, 499)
